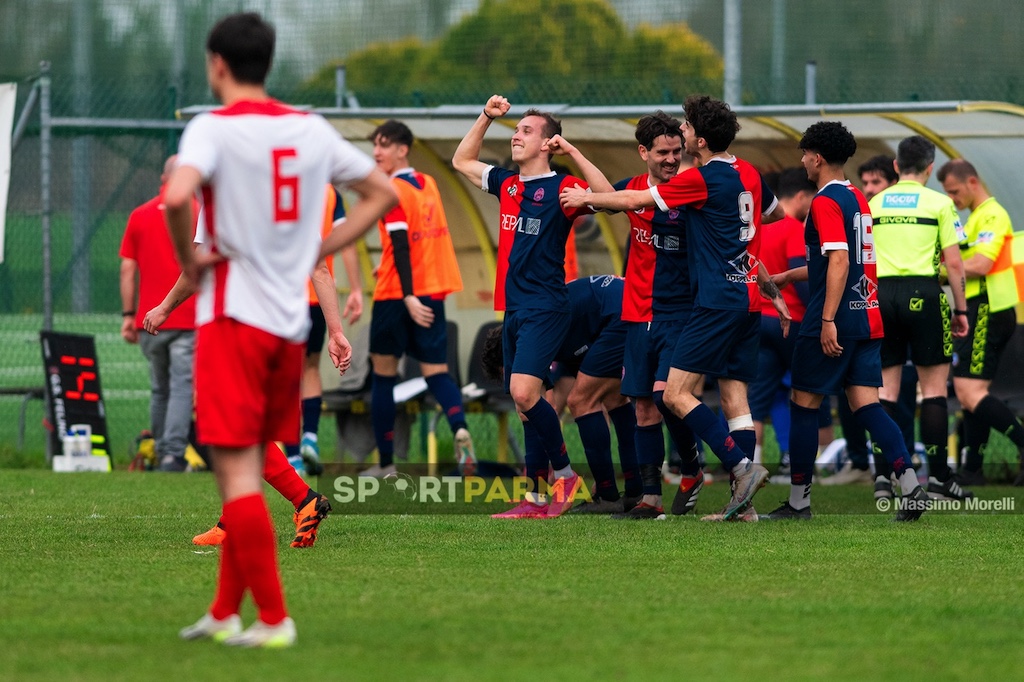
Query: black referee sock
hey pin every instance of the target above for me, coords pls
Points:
(993, 412)
(975, 439)
(935, 436)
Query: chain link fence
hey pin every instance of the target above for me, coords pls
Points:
(140, 60)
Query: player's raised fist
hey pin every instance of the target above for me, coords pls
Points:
(496, 106)
(560, 146)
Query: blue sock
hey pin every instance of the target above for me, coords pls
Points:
(597, 445)
(382, 409)
(803, 443)
(544, 419)
(449, 397)
(885, 435)
(624, 420)
(536, 460)
(650, 452)
(703, 422)
(682, 435)
(311, 414)
(746, 439)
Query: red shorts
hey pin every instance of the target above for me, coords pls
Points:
(247, 385)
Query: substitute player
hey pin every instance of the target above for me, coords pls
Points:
(530, 284)
(839, 343)
(417, 271)
(261, 167)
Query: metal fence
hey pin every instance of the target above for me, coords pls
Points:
(139, 60)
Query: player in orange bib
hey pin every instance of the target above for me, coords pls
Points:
(417, 270)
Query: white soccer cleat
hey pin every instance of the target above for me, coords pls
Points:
(210, 627)
(262, 636)
(464, 452)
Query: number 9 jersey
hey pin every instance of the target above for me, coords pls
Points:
(264, 166)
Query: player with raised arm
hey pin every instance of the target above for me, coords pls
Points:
(840, 339)
(530, 285)
(726, 200)
(657, 300)
(261, 167)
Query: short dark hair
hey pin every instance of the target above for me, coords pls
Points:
(914, 154)
(394, 132)
(713, 120)
(246, 42)
(492, 357)
(552, 126)
(652, 126)
(832, 140)
(879, 164)
(961, 169)
(792, 181)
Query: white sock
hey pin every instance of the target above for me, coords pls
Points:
(741, 467)
(564, 472)
(537, 498)
(309, 435)
(757, 454)
(800, 496)
(908, 481)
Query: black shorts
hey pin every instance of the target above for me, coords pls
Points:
(915, 313)
(317, 330)
(393, 332)
(976, 355)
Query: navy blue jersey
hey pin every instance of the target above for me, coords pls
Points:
(660, 284)
(840, 220)
(532, 230)
(595, 303)
(726, 198)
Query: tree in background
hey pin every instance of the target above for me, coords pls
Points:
(573, 51)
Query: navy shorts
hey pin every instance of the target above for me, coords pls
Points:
(860, 364)
(531, 339)
(604, 357)
(317, 330)
(648, 357)
(393, 332)
(720, 343)
(774, 359)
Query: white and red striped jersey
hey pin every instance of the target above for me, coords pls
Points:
(264, 166)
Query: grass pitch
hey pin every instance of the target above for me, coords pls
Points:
(97, 574)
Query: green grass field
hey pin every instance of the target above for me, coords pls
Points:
(97, 574)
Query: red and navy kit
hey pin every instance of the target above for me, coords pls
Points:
(724, 232)
(657, 269)
(840, 219)
(596, 305)
(532, 231)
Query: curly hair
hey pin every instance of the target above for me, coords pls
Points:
(832, 140)
(880, 164)
(713, 120)
(652, 126)
(493, 356)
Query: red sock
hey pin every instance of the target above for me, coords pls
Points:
(230, 586)
(282, 476)
(248, 525)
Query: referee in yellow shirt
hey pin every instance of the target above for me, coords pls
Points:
(991, 299)
(915, 227)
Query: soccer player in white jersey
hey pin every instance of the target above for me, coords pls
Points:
(261, 167)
